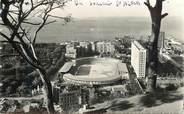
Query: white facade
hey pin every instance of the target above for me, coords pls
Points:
(104, 47)
(161, 40)
(84, 44)
(93, 47)
(138, 59)
(71, 51)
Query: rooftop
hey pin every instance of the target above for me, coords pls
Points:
(138, 45)
(66, 67)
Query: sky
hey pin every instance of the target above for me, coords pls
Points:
(85, 10)
(82, 9)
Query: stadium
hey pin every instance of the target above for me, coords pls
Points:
(94, 71)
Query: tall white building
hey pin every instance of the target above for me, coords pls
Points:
(138, 59)
(161, 40)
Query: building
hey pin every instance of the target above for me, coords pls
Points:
(123, 71)
(78, 49)
(71, 51)
(93, 46)
(138, 59)
(70, 100)
(84, 44)
(56, 91)
(6, 48)
(105, 47)
(85, 48)
(66, 67)
(85, 96)
(161, 40)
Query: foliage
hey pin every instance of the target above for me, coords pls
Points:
(18, 19)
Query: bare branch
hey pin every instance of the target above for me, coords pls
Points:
(59, 6)
(12, 17)
(31, 23)
(57, 17)
(4, 14)
(14, 11)
(164, 15)
(39, 28)
(147, 3)
(32, 4)
(22, 54)
(159, 3)
(5, 36)
(25, 34)
(15, 6)
(40, 3)
(50, 22)
(2, 24)
(45, 17)
(6, 41)
(20, 10)
(26, 48)
(14, 45)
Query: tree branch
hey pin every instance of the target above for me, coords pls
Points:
(8, 41)
(45, 17)
(147, 3)
(11, 17)
(57, 17)
(159, 3)
(31, 23)
(32, 4)
(164, 15)
(50, 22)
(5, 36)
(13, 43)
(14, 21)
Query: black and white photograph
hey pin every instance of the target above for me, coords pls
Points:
(91, 57)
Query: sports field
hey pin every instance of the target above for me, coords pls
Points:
(97, 71)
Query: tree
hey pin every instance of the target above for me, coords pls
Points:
(18, 18)
(156, 17)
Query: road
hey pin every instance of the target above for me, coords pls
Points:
(24, 98)
(134, 81)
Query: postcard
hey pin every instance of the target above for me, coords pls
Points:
(91, 56)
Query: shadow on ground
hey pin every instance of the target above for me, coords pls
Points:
(122, 105)
(115, 106)
(160, 97)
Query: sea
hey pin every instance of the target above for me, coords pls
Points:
(107, 28)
